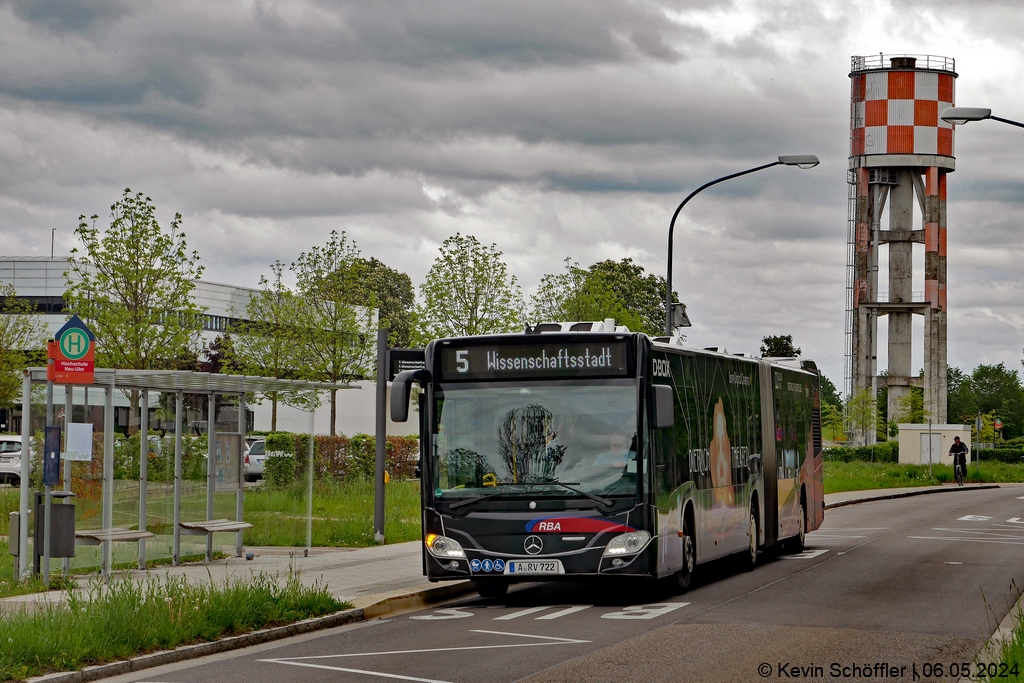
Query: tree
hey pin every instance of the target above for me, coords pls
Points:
(21, 329)
(910, 408)
(832, 422)
(133, 287)
(829, 393)
(961, 403)
(266, 339)
(391, 293)
(217, 356)
(862, 413)
(779, 347)
(468, 291)
(640, 293)
(577, 295)
(336, 338)
(998, 389)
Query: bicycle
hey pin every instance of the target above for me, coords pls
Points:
(959, 474)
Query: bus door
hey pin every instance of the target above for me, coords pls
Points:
(668, 473)
(769, 456)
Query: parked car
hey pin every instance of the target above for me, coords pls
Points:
(255, 454)
(10, 459)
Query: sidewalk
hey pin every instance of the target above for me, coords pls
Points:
(368, 576)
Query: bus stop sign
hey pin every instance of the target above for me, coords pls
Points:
(73, 352)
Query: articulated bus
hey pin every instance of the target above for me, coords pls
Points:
(586, 450)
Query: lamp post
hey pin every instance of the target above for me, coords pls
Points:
(961, 115)
(801, 160)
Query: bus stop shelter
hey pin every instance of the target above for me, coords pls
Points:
(178, 383)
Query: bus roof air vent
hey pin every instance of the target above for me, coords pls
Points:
(716, 349)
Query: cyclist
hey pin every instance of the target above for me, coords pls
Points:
(959, 452)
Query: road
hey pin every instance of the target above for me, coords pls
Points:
(887, 588)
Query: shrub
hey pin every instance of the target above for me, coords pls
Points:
(279, 470)
(887, 451)
(1008, 455)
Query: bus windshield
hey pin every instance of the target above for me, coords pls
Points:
(526, 438)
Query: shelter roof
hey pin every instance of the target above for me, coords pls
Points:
(195, 382)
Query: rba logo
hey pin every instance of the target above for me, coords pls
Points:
(662, 368)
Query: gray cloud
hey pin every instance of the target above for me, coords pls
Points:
(552, 129)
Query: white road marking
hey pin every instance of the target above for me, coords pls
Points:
(996, 533)
(655, 609)
(1014, 520)
(379, 674)
(563, 613)
(451, 613)
(521, 613)
(863, 528)
(835, 538)
(953, 563)
(529, 635)
(805, 555)
(969, 540)
(973, 518)
(549, 640)
(1020, 497)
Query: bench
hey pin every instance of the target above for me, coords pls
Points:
(116, 534)
(213, 526)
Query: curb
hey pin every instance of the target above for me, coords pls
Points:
(376, 606)
(991, 651)
(908, 494)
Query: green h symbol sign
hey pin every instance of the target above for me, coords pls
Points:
(74, 344)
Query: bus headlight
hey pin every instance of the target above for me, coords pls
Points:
(444, 547)
(627, 544)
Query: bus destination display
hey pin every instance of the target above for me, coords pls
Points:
(518, 361)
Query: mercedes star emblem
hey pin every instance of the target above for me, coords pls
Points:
(533, 544)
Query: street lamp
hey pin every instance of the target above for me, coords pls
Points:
(961, 115)
(801, 160)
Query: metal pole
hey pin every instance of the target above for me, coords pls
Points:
(309, 478)
(240, 496)
(671, 230)
(26, 455)
(211, 470)
(143, 471)
(931, 448)
(69, 405)
(46, 488)
(381, 435)
(108, 474)
(178, 409)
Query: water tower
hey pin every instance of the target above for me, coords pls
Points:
(900, 152)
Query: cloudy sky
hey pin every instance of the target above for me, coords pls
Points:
(553, 129)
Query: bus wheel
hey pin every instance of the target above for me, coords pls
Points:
(685, 575)
(748, 559)
(491, 588)
(796, 544)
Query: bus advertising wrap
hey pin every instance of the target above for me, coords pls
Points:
(524, 361)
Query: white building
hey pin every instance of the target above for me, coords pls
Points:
(41, 279)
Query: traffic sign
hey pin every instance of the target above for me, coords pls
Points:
(997, 425)
(73, 352)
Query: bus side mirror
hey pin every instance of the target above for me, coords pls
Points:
(664, 406)
(400, 391)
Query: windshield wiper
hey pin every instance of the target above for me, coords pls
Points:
(571, 487)
(591, 496)
(467, 501)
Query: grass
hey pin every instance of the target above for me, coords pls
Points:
(860, 476)
(1009, 666)
(342, 514)
(129, 618)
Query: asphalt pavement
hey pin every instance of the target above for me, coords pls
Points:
(888, 590)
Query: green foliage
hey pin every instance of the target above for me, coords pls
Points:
(279, 470)
(342, 513)
(829, 393)
(21, 329)
(1008, 455)
(862, 414)
(862, 476)
(126, 618)
(391, 293)
(337, 341)
(281, 442)
(133, 287)
(640, 293)
(910, 409)
(887, 451)
(832, 422)
(989, 389)
(780, 346)
(578, 295)
(468, 291)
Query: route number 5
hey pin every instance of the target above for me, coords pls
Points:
(461, 362)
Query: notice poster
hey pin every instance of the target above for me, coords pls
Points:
(79, 443)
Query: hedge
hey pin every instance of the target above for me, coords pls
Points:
(1009, 455)
(886, 451)
(337, 457)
